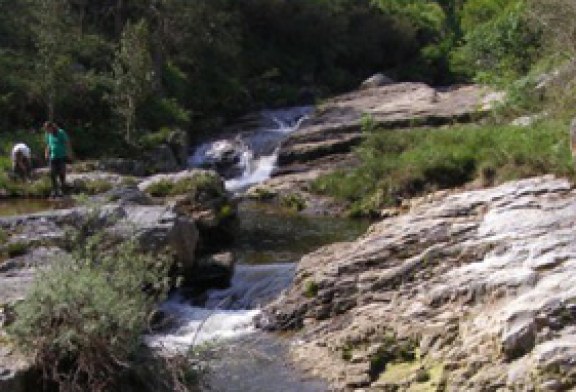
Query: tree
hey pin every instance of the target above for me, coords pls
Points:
(132, 74)
(53, 38)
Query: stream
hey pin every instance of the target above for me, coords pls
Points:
(268, 244)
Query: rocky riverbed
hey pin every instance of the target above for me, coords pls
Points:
(466, 291)
(182, 222)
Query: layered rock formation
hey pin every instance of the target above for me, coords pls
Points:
(336, 125)
(473, 291)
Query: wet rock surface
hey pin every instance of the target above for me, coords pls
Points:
(466, 291)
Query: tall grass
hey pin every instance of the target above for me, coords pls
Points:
(400, 164)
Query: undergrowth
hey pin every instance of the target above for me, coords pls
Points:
(85, 315)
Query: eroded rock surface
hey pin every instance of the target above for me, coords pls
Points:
(335, 127)
(473, 291)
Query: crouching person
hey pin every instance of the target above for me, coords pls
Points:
(21, 161)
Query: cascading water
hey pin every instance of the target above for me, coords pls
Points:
(227, 313)
(249, 158)
(253, 359)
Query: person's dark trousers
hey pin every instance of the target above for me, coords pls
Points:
(58, 172)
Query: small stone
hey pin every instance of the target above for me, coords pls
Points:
(519, 338)
(552, 386)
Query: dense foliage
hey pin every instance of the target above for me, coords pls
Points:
(111, 71)
(116, 70)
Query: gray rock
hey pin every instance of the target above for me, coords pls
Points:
(161, 159)
(335, 127)
(519, 338)
(156, 227)
(128, 195)
(179, 144)
(127, 167)
(376, 80)
(484, 280)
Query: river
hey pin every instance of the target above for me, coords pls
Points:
(268, 243)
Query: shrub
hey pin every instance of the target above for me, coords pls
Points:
(203, 186)
(93, 187)
(310, 289)
(293, 202)
(84, 316)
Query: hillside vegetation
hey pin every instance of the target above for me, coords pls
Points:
(115, 71)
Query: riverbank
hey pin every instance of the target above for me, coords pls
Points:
(465, 291)
(194, 213)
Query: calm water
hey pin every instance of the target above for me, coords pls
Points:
(11, 207)
(268, 234)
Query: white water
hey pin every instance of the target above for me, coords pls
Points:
(259, 147)
(227, 313)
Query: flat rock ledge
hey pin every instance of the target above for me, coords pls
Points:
(335, 126)
(473, 291)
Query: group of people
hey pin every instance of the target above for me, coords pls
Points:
(58, 152)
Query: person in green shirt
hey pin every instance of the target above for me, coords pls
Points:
(58, 152)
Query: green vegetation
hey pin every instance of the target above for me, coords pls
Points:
(202, 187)
(310, 289)
(84, 318)
(15, 249)
(94, 187)
(399, 164)
(293, 201)
(116, 72)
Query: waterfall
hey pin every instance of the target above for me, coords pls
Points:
(249, 158)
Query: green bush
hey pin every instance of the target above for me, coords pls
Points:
(293, 201)
(92, 187)
(310, 289)
(400, 164)
(84, 317)
(203, 186)
(40, 187)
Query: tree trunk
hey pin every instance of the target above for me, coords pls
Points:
(118, 21)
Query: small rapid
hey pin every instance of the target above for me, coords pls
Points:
(227, 313)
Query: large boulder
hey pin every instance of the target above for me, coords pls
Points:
(164, 158)
(179, 144)
(159, 227)
(200, 195)
(223, 156)
(161, 159)
(123, 166)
